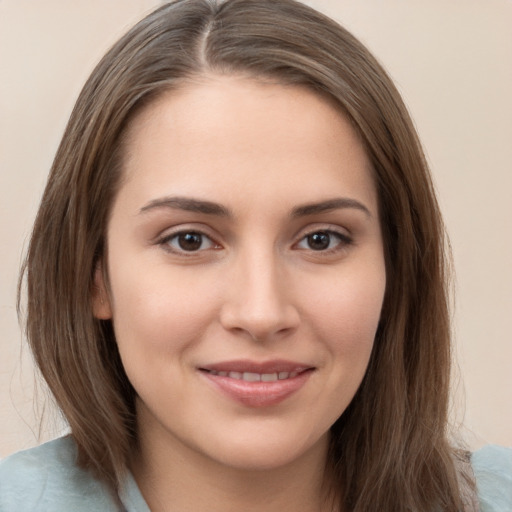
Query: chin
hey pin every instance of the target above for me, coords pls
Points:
(269, 454)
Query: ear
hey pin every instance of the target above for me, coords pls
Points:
(101, 307)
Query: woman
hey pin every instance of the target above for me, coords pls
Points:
(236, 280)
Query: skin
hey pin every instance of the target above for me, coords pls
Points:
(258, 287)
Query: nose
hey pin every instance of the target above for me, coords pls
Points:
(259, 300)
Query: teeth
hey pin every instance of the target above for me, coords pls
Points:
(251, 377)
(256, 377)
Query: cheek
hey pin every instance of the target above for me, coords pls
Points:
(158, 310)
(345, 313)
(345, 321)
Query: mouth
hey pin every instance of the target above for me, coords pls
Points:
(257, 384)
(255, 377)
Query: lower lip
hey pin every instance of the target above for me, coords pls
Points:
(258, 394)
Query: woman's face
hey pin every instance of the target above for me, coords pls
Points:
(246, 271)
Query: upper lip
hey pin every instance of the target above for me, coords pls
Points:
(245, 365)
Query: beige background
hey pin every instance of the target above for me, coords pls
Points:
(452, 60)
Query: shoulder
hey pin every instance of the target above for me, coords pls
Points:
(492, 466)
(46, 478)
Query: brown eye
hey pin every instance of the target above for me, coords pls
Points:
(188, 241)
(319, 241)
(324, 241)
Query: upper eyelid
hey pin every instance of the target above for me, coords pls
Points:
(180, 228)
(171, 236)
(343, 238)
(330, 228)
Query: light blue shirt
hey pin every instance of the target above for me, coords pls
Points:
(46, 479)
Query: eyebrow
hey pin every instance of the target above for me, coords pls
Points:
(329, 205)
(188, 204)
(210, 208)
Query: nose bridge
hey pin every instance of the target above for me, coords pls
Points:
(258, 302)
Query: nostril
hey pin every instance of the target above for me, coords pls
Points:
(259, 321)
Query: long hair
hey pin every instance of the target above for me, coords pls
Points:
(389, 449)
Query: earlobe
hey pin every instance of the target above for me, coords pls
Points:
(101, 307)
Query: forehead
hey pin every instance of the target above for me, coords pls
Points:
(241, 131)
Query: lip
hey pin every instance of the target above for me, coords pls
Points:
(257, 393)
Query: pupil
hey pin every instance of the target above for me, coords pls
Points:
(190, 241)
(319, 241)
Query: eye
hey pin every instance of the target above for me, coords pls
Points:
(324, 240)
(188, 241)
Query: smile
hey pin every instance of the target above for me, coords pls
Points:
(255, 377)
(257, 384)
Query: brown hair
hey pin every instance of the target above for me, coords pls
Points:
(389, 449)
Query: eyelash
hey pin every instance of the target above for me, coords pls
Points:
(343, 241)
(165, 242)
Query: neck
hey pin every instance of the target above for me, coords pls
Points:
(173, 477)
